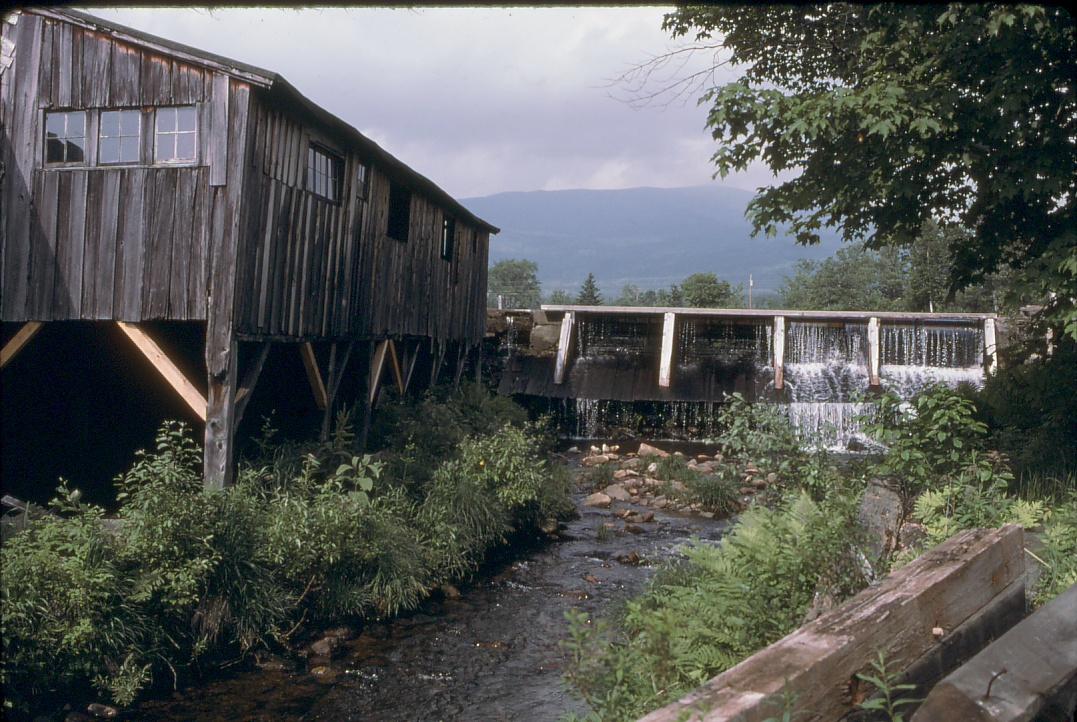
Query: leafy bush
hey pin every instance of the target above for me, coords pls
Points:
(66, 613)
(718, 493)
(1059, 553)
(704, 615)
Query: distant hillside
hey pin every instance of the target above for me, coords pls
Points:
(650, 237)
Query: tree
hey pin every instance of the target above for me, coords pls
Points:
(704, 290)
(895, 114)
(515, 282)
(589, 295)
(630, 296)
(560, 297)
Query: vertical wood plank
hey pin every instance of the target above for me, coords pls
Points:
(98, 281)
(990, 349)
(217, 157)
(779, 352)
(564, 345)
(873, 351)
(669, 323)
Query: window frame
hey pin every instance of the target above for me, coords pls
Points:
(399, 212)
(334, 176)
(140, 139)
(157, 160)
(86, 151)
(448, 238)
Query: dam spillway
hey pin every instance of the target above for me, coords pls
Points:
(663, 372)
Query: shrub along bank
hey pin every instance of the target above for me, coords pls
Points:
(799, 549)
(310, 533)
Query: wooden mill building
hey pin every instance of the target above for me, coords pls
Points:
(147, 184)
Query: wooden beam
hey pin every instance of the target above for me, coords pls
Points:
(411, 361)
(873, 351)
(898, 618)
(398, 375)
(314, 376)
(564, 342)
(461, 361)
(21, 338)
(779, 352)
(990, 349)
(437, 350)
(669, 324)
(1029, 669)
(250, 380)
(377, 364)
(166, 368)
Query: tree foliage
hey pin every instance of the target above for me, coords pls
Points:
(589, 294)
(894, 114)
(705, 290)
(516, 282)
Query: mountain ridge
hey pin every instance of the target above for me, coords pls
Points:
(647, 236)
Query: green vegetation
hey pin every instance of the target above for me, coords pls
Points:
(310, 533)
(513, 283)
(589, 294)
(798, 548)
(929, 111)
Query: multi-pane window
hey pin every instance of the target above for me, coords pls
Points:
(65, 137)
(119, 137)
(176, 135)
(448, 238)
(361, 180)
(324, 173)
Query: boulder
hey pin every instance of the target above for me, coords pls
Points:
(648, 450)
(544, 338)
(678, 486)
(702, 457)
(633, 463)
(881, 514)
(450, 591)
(102, 711)
(652, 468)
(618, 492)
(325, 647)
(634, 529)
(622, 474)
(598, 499)
(660, 502)
(595, 460)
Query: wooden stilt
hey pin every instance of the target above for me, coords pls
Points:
(669, 323)
(250, 380)
(461, 362)
(314, 376)
(478, 362)
(338, 361)
(564, 342)
(398, 375)
(377, 364)
(366, 396)
(21, 338)
(166, 368)
(438, 358)
(221, 419)
(410, 362)
(873, 351)
(779, 352)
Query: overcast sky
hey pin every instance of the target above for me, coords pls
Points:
(480, 100)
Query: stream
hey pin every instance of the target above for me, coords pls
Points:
(493, 653)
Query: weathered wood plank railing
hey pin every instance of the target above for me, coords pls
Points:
(901, 617)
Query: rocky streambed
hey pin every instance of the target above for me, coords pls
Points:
(487, 651)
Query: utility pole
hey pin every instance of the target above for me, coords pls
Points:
(750, 284)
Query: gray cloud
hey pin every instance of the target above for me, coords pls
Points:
(480, 100)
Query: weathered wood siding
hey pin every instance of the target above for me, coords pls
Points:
(90, 242)
(312, 268)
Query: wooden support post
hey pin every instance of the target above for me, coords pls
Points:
(873, 351)
(314, 376)
(220, 416)
(411, 360)
(437, 351)
(337, 363)
(818, 662)
(461, 362)
(377, 365)
(478, 361)
(21, 338)
(564, 343)
(779, 352)
(250, 380)
(166, 368)
(990, 350)
(398, 375)
(665, 364)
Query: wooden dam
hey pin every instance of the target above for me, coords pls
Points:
(823, 365)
